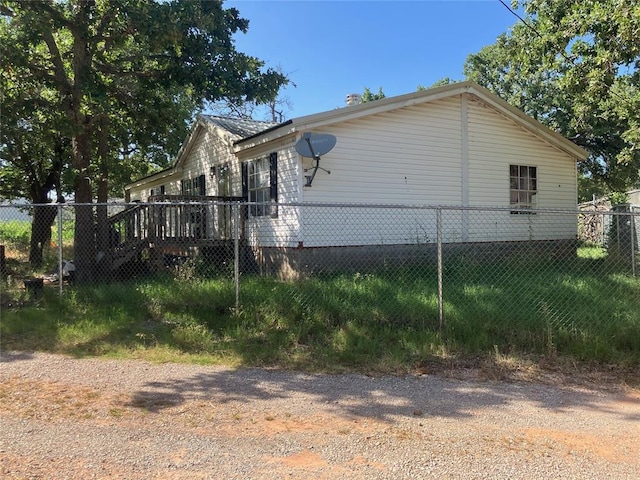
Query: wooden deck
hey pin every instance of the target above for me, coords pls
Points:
(173, 223)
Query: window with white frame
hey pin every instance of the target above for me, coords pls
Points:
(523, 187)
(261, 186)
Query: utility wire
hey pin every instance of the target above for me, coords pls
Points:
(533, 29)
(521, 19)
(562, 52)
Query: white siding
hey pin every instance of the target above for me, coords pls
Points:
(496, 142)
(209, 149)
(407, 156)
(413, 156)
(142, 191)
(283, 231)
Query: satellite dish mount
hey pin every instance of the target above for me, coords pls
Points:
(314, 145)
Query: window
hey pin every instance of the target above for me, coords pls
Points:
(523, 187)
(193, 186)
(260, 185)
(157, 191)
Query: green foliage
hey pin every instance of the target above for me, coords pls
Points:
(119, 81)
(15, 233)
(369, 96)
(438, 83)
(574, 68)
(617, 198)
(138, 77)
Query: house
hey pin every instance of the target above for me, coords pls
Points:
(458, 145)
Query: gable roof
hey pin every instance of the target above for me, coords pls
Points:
(236, 128)
(331, 117)
(239, 127)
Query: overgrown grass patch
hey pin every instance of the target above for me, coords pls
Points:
(385, 321)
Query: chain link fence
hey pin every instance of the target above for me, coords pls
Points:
(411, 266)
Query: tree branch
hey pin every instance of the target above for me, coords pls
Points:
(60, 75)
(54, 14)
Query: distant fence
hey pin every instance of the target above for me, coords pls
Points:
(473, 252)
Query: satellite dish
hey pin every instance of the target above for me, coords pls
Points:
(314, 145)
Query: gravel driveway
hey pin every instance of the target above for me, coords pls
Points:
(64, 418)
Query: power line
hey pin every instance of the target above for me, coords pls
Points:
(533, 29)
(521, 19)
(562, 51)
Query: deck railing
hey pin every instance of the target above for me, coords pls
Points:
(182, 218)
(175, 219)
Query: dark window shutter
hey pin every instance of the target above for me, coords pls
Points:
(273, 183)
(245, 181)
(201, 185)
(245, 188)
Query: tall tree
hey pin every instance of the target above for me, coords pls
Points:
(574, 66)
(113, 59)
(34, 149)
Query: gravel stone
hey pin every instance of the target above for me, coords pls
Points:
(66, 418)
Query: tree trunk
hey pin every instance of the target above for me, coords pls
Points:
(43, 218)
(45, 215)
(84, 233)
(84, 238)
(103, 243)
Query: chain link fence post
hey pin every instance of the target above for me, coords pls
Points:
(236, 252)
(440, 301)
(60, 249)
(632, 221)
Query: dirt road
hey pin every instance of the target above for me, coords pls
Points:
(91, 418)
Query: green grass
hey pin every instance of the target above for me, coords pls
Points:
(580, 309)
(15, 233)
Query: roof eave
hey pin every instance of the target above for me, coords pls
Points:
(167, 172)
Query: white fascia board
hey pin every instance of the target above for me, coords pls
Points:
(153, 178)
(185, 149)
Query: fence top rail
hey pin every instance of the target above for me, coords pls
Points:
(215, 200)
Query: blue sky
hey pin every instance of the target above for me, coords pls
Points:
(332, 48)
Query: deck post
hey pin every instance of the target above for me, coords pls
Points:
(3, 263)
